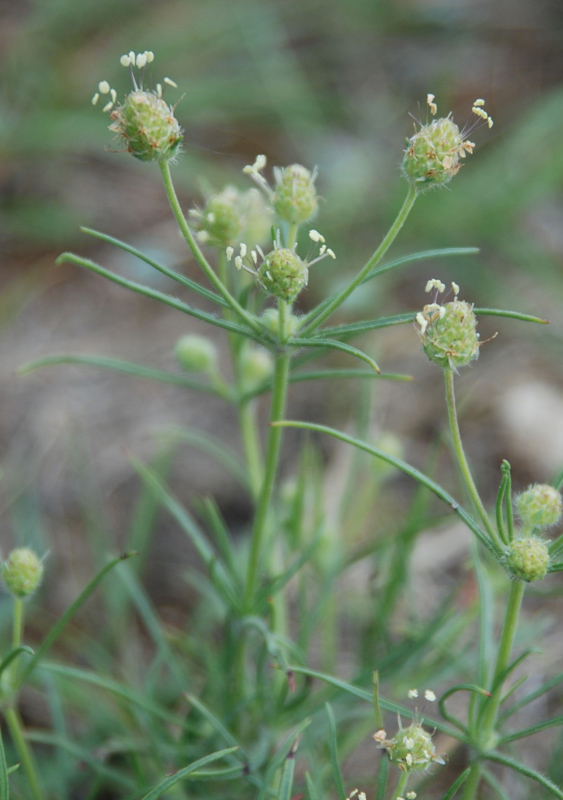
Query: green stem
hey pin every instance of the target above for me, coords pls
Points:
(472, 782)
(490, 710)
(292, 234)
(373, 261)
(24, 753)
(198, 255)
(401, 785)
(462, 460)
(16, 638)
(277, 408)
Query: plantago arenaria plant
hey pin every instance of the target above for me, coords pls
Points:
(236, 687)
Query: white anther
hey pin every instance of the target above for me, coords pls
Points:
(479, 102)
(202, 236)
(490, 122)
(423, 322)
(330, 253)
(260, 162)
(441, 314)
(380, 735)
(316, 236)
(254, 256)
(435, 284)
(242, 250)
(322, 250)
(455, 287)
(431, 104)
(104, 87)
(411, 795)
(238, 262)
(409, 743)
(211, 217)
(362, 796)
(408, 759)
(113, 94)
(412, 693)
(108, 106)
(141, 60)
(95, 99)
(229, 251)
(150, 56)
(430, 696)
(170, 82)
(159, 89)
(125, 61)
(131, 55)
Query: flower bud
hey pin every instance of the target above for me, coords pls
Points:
(295, 197)
(539, 506)
(528, 559)
(283, 274)
(448, 333)
(411, 749)
(196, 353)
(148, 126)
(22, 572)
(271, 319)
(257, 366)
(433, 153)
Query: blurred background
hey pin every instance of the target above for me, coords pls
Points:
(324, 83)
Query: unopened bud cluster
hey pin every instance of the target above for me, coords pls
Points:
(229, 214)
(144, 121)
(295, 196)
(448, 332)
(22, 572)
(196, 353)
(411, 749)
(434, 153)
(539, 506)
(528, 559)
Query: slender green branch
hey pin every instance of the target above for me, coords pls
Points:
(25, 755)
(279, 392)
(401, 785)
(367, 268)
(463, 463)
(198, 255)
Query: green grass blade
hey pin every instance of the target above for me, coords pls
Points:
(356, 328)
(312, 792)
(154, 294)
(334, 344)
(115, 688)
(83, 755)
(333, 753)
(213, 447)
(14, 654)
(400, 465)
(501, 312)
(278, 760)
(363, 694)
(457, 785)
(116, 365)
(58, 628)
(286, 781)
(4, 781)
(517, 766)
(166, 784)
(170, 273)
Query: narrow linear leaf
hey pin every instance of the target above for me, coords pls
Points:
(217, 724)
(400, 465)
(170, 273)
(14, 654)
(163, 787)
(211, 445)
(443, 252)
(541, 726)
(494, 784)
(311, 787)
(277, 762)
(456, 785)
(154, 294)
(382, 777)
(334, 344)
(328, 374)
(517, 766)
(60, 625)
(4, 782)
(363, 694)
(333, 752)
(501, 312)
(286, 781)
(460, 687)
(116, 688)
(356, 328)
(116, 776)
(546, 687)
(116, 365)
